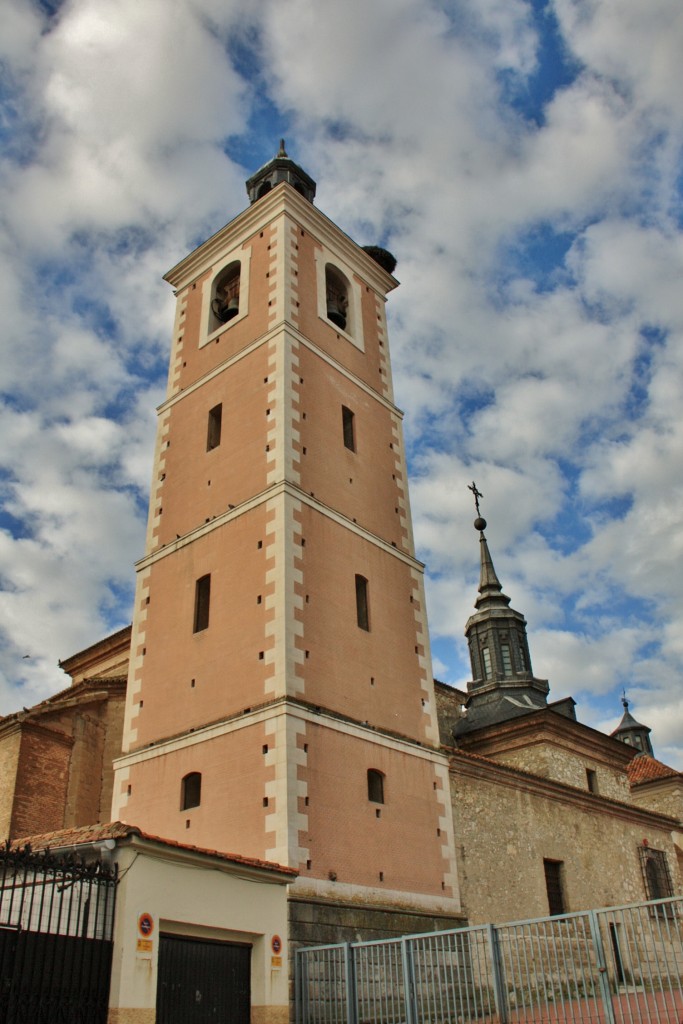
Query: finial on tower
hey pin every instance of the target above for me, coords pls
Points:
(282, 152)
(479, 522)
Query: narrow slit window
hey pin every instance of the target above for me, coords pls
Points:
(375, 786)
(213, 434)
(202, 601)
(486, 657)
(506, 659)
(349, 429)
(522, 655)
(191, 791)
(362, 609)
(592, 780)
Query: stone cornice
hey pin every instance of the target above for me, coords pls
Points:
(267, 339)
(484, 769)
(275, 491)
(543, 726)
(311, 713)
(283, 199)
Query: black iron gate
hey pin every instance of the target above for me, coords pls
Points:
(56, 927)
(201, 982)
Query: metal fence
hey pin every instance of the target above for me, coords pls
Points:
(620, 965)
(56, 927)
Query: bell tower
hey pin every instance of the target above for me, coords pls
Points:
(280, 699)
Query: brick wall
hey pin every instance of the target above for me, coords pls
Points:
(41, 781)
(10, 745)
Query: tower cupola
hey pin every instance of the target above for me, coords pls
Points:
(632, 732)
(503, 685)
(280, 168)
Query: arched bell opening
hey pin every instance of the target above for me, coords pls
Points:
(225, 300)
(336, 297)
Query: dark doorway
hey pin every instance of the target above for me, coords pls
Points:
(616, 952)
(201, 982)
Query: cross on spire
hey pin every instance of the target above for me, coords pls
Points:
(477, 495)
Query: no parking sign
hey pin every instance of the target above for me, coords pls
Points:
(145, 930)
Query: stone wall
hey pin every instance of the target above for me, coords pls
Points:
(315, 923)
(553, 761)
(507, 824)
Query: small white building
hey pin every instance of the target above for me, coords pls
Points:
(196, 932)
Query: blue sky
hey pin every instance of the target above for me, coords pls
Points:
(523, 162)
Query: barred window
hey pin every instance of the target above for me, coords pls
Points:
(656, 874)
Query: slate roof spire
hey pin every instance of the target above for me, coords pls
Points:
(503, 685)
(632, 732)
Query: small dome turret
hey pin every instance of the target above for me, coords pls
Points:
(632, 732)
(280, 168)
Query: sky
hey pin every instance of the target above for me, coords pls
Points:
(522, 159)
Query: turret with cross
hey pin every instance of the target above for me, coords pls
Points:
(503, 685)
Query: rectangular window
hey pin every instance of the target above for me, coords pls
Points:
(553, 883)
(348, 427)
(202, 600)
(592, 780)
(362, 611)
(506, 659)
(213, 433)
(657, 878)
(486, 655)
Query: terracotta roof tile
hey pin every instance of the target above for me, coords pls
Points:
(644, 768)
(118, 830)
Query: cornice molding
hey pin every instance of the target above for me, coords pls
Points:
(282, 200)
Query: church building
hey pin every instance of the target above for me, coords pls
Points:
(280, 708)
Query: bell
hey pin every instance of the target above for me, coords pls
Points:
(224, 311)
(335, 314)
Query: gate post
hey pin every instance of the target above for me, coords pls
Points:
(299, 967)
(408, 981)
(350, 983)
(601, 961)
(498, 974)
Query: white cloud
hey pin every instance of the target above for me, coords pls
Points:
(560, 395)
